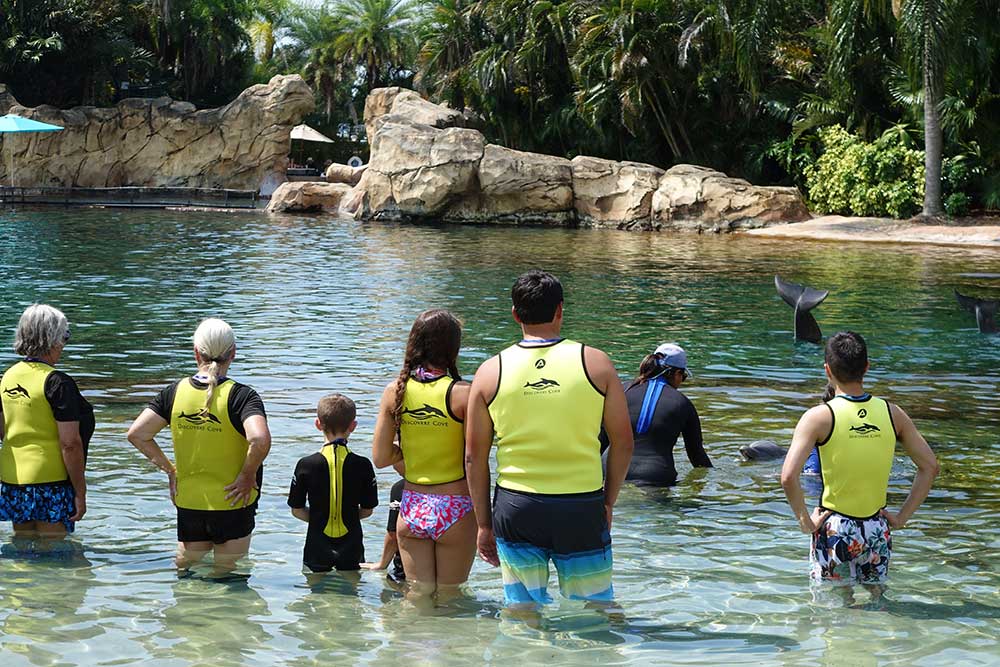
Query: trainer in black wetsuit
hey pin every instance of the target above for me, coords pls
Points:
(659, 414)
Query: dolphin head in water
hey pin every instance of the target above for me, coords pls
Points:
(762, 450)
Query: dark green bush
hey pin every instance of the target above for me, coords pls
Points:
(854, 177)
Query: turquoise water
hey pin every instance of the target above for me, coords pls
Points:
(711, 572)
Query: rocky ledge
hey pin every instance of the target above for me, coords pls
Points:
(162, 143)
(429, 162)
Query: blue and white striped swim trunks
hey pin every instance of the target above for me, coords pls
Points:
(570, 530)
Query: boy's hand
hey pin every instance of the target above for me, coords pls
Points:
(893, 519)
(815, 521)
(372, 566)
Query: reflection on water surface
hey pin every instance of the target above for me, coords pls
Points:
(710, 572)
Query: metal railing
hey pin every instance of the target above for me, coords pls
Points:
(131, 197)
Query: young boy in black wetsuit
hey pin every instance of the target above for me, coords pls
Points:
(332, 491)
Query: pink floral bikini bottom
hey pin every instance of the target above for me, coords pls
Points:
(429, 515)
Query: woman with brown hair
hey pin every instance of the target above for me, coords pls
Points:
(660, 413)
(425, 406)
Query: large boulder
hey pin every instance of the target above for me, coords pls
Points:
(613, 193)
(525, 187)
(162, 143)
(410, 107)
(307, 197)
(417, 170)
(696, 197)
(343, 173)
(378, 104)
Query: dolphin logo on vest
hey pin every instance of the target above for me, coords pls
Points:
(426, 412)
(544, 383)
(17, 392)
(201, 417)
(865, 428)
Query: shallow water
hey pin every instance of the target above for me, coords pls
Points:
(712, 571)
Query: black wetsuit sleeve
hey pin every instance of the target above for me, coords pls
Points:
(693, 442)
(300, 485)
(64, 397)
(605, 441)
(244, 402)
(163, 403)
(369, 487)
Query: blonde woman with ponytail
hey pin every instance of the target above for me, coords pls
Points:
(220, 438)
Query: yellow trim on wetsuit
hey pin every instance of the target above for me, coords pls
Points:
(208, 450)
(31, 453)
(335, 455)
(858, 456)
(433, 442)
(547, 416)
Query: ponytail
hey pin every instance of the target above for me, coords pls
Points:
(216, 343)
(397, 408)
(648, 369)
(213, 382)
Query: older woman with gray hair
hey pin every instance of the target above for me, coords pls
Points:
(46, 426)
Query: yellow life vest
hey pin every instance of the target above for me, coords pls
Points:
(857, 457)
(431, 437)
(547, 416)
(208, 450)
(335, 455)
(31, 453)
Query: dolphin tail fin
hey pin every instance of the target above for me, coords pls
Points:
(985, 311)
(803, 299)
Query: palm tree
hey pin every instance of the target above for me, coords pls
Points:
(314, 32)
(450, 34)
(271, 18)
(931, 28)
(376, 35)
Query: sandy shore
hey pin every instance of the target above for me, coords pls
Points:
(980, 232)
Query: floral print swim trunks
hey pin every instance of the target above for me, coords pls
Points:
(852, 551)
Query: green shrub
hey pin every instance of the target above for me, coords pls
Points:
(957, 204)
(854, 177)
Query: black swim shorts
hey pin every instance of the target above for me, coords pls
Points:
(215, 526)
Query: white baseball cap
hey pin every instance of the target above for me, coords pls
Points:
(673, 356)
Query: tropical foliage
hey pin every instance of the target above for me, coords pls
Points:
(746, 86)
(883, 177)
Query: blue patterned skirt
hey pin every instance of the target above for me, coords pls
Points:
(52, 503)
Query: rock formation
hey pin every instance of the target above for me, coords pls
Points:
(688, 194)
(307, 197)
(343, 173)
(159, 142)
(419, 170)
(427, 163)
(613, 193)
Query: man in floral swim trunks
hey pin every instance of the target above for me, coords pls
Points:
(855, 434)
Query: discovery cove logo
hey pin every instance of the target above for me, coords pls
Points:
(202, 419)
(17, 392)
(865, 429)
(543, 386)
(425, 413)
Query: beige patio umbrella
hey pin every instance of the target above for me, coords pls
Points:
(305, 133)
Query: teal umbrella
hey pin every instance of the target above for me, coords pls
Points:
(14, 123)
